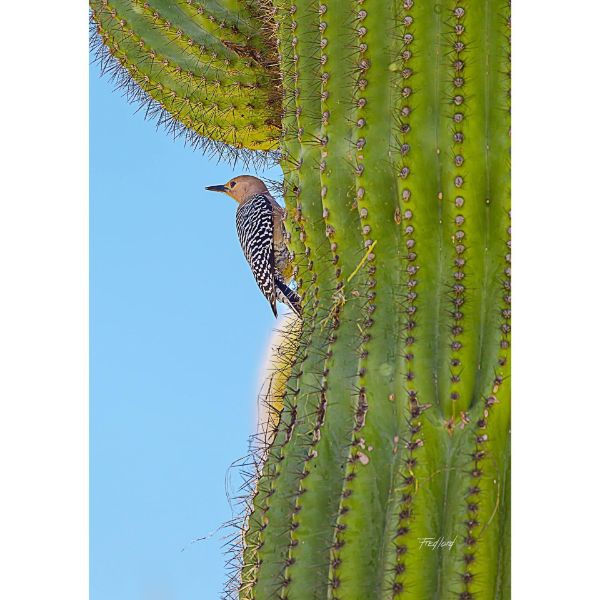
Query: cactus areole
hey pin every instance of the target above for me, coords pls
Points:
(387, 474)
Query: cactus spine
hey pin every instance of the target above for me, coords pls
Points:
(392, 120)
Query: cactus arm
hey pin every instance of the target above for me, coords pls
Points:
(214, 81)
(175, 85)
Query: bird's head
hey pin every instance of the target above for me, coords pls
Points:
(241, 187)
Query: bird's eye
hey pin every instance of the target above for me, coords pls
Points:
(232, 184)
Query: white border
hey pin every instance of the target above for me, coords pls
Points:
(555, 314)
(43, 303)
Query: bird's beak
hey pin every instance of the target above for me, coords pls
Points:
(217, 188)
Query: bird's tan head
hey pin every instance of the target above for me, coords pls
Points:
(241, 187)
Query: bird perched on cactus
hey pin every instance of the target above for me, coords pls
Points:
(259, 222)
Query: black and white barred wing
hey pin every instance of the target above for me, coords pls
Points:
(254, 222)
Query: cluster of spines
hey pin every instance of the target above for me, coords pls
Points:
(358, 456)
(312, 453)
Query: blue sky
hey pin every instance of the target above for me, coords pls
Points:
(178, 332)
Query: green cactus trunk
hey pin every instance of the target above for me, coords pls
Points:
(396, 415)
(394, 434)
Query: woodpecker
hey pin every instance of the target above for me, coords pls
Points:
(259, 222)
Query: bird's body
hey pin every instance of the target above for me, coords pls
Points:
(261, 231)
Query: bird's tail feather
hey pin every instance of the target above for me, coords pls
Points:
(288, 296)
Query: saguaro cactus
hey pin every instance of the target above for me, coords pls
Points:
(393, 429)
